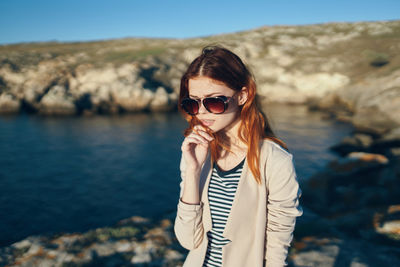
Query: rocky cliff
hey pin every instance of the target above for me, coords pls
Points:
(349, 69)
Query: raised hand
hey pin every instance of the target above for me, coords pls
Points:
(194, 148)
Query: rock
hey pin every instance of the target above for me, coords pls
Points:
(103, 249)
(368, 157)
(282, 58)
(173, 255)
(372, 120)
(66, 241)
(331, 102)
(335, 252)
(151, 244)
(387, 141)
(394, 152)
(357, 142)
(159, 236)
(388, 223)
(392, 136)
(297, 87)
(38, 82)
(143, 252)
(166, 223)
(57, 102)
(357, 162)
(376, 102)
(22, 244)
(34, 249)
(160, 101)
(292, 64)
(123, 246)
(364, 140)
(11, 77)
(324, 256)
(135, 220)
(347, 145)
(360, 180)
(141, 258)
(134, 100)
(9, 103)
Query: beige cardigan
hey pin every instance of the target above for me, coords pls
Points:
(262, 218)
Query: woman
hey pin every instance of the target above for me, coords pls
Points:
(239, 193)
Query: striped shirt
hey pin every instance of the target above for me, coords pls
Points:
(221, 192)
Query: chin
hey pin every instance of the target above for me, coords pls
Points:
(212, 130)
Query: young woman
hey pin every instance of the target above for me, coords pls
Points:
(239, 193)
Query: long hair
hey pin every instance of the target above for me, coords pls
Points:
(222, 65)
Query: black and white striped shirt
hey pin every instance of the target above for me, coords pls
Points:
(221, 192)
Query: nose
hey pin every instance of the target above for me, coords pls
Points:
(202, 109)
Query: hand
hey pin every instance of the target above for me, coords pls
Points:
(195, 146)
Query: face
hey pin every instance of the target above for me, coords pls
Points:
(201, 87)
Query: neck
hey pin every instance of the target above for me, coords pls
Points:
(232, 134)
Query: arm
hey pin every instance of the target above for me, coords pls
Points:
(188, 223)
(283, 208)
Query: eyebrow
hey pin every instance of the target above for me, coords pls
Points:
(206, 95)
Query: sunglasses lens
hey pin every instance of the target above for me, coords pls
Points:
(214, 105)
(190, 106)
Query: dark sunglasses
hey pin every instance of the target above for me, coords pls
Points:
(215, 104)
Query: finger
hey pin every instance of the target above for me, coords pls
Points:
(205, 135)
(200, 127)
(189, 140)
(199, 137)
(205, 145)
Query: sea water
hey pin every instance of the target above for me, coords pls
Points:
(72, 174)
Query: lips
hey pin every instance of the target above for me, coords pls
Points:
(207, 122)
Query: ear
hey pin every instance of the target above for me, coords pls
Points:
(243, 94)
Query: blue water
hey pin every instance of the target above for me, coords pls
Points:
(73, 174)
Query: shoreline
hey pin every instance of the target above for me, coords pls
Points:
(139, 240)
(336, 236)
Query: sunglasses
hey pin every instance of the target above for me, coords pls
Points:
(215, 104)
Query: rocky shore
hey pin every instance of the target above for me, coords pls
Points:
(352, 68)
(134, 241)
(348, 70)
(352, 207)
(351, 218)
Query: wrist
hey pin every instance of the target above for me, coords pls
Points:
(193, 171)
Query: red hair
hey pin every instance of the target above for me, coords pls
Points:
(222, 65)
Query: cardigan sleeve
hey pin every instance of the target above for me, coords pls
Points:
(188, 222)
(283, 208)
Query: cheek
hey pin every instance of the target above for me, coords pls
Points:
(223, 121)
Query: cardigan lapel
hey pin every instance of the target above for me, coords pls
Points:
(243, 204)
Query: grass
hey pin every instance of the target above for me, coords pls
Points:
(360, 56)
(97, 53)
(128, 56)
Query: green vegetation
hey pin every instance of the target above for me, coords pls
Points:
(353, 49)
(104, 234)
(72, 54)
(376, 59)
(128, 56)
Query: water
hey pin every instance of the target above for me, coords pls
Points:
(78, 173)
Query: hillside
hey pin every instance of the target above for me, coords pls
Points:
(349, 69)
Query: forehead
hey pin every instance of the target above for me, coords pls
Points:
(203, 86)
